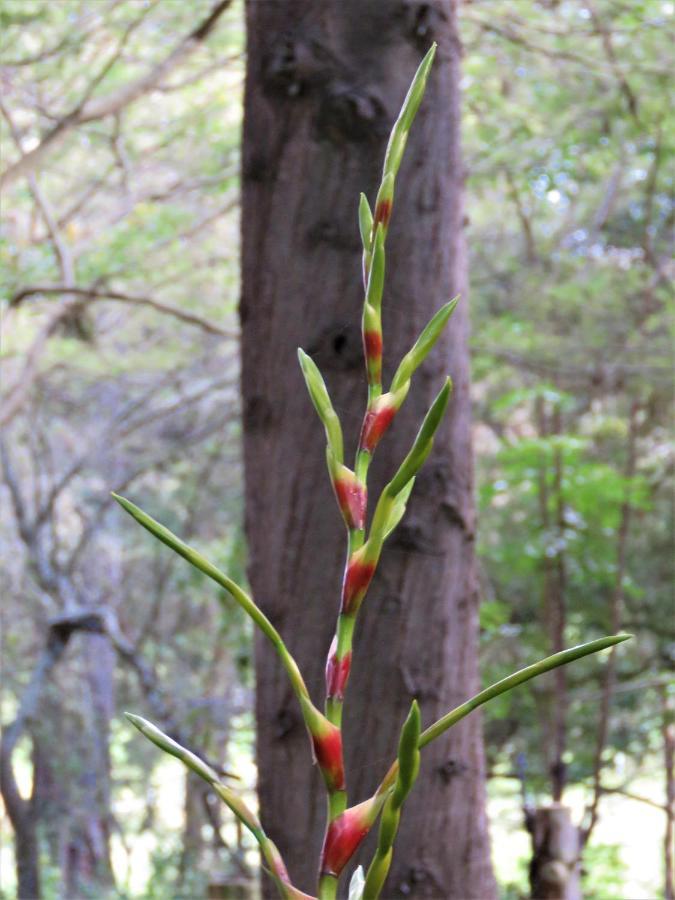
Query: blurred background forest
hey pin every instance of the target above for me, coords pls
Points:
(121, 128)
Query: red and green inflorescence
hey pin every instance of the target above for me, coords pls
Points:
(347, 827)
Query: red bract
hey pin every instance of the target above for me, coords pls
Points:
(337, 673)
(372, 346)
(382, 213)
(328, 753)
(358, 576)
(351, 498)
(343, 836)
(375, 424)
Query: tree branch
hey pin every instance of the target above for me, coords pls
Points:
(92, 293)
(98, 108)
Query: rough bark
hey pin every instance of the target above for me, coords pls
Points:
(324, 84)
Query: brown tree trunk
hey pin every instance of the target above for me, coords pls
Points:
(324, 84)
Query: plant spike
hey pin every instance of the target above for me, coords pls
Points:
(347, 826)
(351, 487)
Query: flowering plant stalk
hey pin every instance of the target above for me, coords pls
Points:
(347, 825)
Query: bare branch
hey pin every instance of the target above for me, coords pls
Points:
(98, 108)
(102, 294)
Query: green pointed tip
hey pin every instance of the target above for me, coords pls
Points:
(128, 506)
(518, 678)
(451, 305)
(136, 721)
(365, 222)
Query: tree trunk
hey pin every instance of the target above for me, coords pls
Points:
(88, 868)
(555, 868)
(668, 731)
(324, 84)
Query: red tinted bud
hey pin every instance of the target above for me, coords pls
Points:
(372, 346)
(375, 424)
(351, 497)
(328, 752)
(356, 580)
(343, 837)
(337, 673)
(382, 213)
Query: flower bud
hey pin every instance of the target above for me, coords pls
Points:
(408, 755)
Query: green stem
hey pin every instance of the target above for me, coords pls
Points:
(328, 885)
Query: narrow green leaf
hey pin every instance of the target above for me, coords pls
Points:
(193, 762)
(419, 84)
(399, 508)
(365, 222)
(242, 598)
(423, 443)
(411, 104)
(322, 403)
(270, 853)
(423, 345)
(512, 681)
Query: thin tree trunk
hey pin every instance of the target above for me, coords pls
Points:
(551, 509)
(668, 731)
(616, 618)
(324, 84)
(88, 866)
